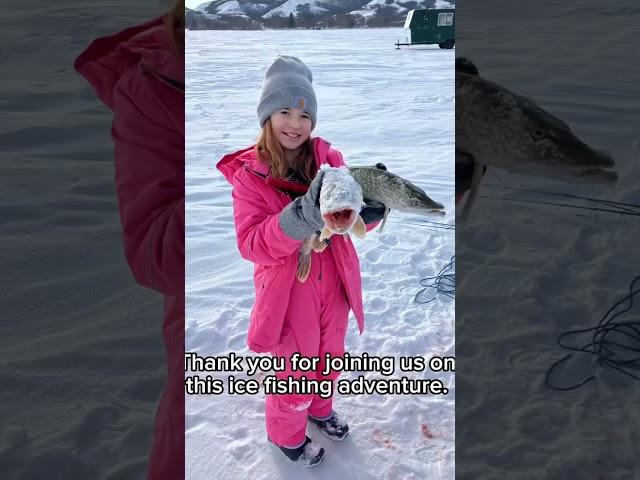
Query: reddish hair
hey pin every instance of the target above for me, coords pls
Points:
(270, 152)
(174, 22)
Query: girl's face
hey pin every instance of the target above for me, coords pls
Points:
(291, 126)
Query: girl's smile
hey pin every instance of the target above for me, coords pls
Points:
(292, 127)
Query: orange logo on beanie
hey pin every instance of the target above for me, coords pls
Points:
(301, 102)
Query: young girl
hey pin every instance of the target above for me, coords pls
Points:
(139, 74)
(272, 217)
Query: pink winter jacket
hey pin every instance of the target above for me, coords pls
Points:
(140, 77)
(256, 207)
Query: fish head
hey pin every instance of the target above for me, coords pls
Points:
(546, 146)
(418, 201)
(502, 129)
(340, 199)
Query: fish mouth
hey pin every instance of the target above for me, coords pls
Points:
(434, 208)
(590, 166)
(596, 175)
(577, 174)
(340, 221)
(590, 159)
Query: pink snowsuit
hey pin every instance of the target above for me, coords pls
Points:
(139, 75)
(288, 316)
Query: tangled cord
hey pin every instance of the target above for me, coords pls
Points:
(428, 223)
(444, 282)
(624, 357)
(592, 204)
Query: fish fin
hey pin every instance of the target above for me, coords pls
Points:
(326, 233)
(384, 219)
(304, 267)
(359, 229)
(319, 245)
(476, 178)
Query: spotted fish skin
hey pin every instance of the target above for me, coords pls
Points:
(394, 191)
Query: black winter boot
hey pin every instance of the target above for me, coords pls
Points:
(334, 428)
(308, 454)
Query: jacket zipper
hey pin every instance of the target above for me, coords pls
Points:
(146, 69)
(176, 85)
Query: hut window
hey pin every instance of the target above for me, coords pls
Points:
(445, 19)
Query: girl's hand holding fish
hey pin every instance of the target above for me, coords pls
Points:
(373, 211)
(302, 218)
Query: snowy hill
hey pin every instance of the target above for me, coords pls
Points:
(238, 14)
(295, 7)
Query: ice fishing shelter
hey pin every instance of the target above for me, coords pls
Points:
(433, 25)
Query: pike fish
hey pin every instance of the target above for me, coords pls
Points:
(394, 191)
(498, 128)
(341, 199)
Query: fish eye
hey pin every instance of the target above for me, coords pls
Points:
(538, 134)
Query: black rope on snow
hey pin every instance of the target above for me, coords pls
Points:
(444, 282)
(619, 211)
(427, 223)
(593, 204)
(612, 353)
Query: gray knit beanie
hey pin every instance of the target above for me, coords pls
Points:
(287, 84)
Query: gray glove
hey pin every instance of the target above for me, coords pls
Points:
(302, 217)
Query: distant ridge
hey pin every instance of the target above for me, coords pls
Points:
(244, 15)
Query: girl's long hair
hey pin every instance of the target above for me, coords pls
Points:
(270, 152)
(174, 23)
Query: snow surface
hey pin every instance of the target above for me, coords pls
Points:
(560, 268)
(375, 104)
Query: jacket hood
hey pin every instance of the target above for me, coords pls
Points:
(147, 45)
(246, 157)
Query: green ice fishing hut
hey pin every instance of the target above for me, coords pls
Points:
(433, 25)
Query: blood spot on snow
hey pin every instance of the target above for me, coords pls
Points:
(426, 432)
(380, 438)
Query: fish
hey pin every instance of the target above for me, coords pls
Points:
(395, 192)
(498, 128)
(340, 204)
(341, 198)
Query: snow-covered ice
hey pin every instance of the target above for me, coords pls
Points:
(375, 104)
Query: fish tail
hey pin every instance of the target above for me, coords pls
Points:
(304, 267)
